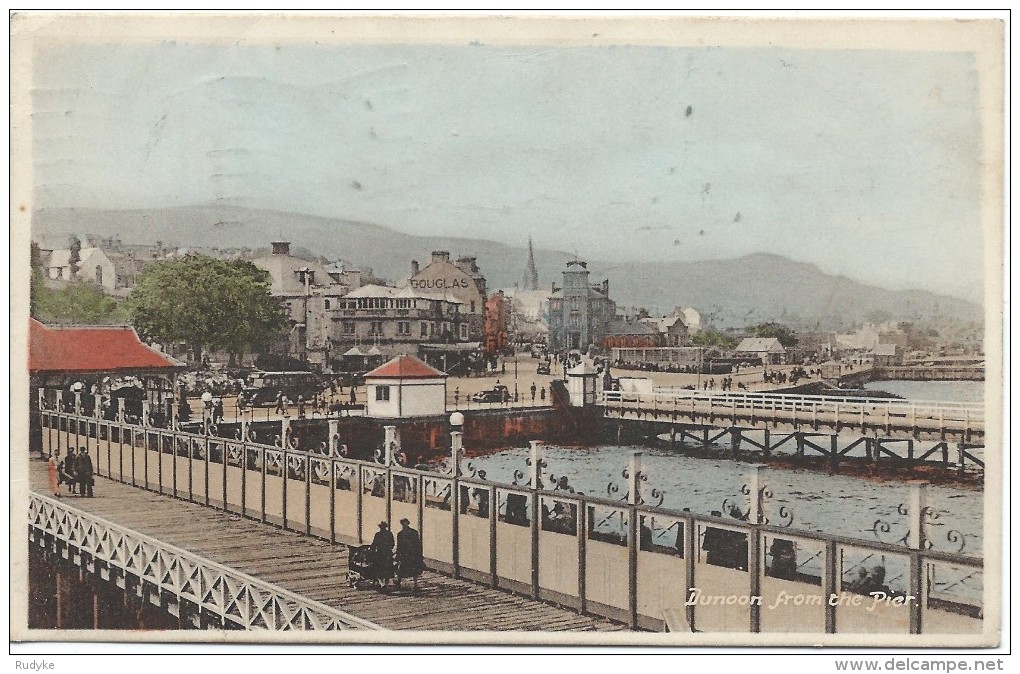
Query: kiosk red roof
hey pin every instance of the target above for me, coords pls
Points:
(405, 367)
(91, 349)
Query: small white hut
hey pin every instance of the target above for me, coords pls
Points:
(405, 387)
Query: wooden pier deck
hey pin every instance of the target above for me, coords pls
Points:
(315, 569)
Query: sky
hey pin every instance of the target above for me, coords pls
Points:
(865, 163)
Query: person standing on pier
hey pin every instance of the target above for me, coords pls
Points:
(53, 468)
(410, 559)
(279, 402)
(70, 470)
(84, 470)
(382, 555)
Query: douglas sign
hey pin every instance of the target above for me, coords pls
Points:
(439, 283)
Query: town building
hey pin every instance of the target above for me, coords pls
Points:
(887, 354)
(497, 324)
(579, 312)
(110, 264)
(461, 279)
(672, 329)
(630, 334)
(766, 350)
(393, 321)
(308, 292)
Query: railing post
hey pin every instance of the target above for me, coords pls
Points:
(537, 463)
(286, 476)
(830, 578)
(205, 438)
(917, 507)
(332, 500)
(919, 592)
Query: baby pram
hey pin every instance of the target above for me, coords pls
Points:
(360, 567)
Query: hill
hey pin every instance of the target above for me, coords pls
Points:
(737, 292)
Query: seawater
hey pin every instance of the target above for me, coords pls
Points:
(947, 391)
(833, 504)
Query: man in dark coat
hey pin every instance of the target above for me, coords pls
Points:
(84, 470)
(69, 470)
(410, 560)
(382, 555)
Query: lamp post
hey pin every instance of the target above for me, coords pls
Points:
(517, 396)
(206, 411)
(456, 442)
(77, 388)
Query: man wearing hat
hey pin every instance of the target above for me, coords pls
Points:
(410, 561)
(382, 555)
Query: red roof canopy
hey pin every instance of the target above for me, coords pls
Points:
(405, 367)
(90, 349)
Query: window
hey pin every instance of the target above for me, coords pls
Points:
(424, 329)
(382, 393)
(472, 306)
(403, 328)
(377, 328)
(463, 331)
(348, 327)
(99, 275)
(327, 305)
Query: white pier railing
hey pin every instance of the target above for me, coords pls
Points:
(240, 600)
(838, 410)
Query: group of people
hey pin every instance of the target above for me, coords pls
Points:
(408, 562)
(75, 470)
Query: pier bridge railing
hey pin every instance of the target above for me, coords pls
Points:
(202, 593)
(965, 419)
(625, 559)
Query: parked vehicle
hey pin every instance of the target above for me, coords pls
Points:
(497, 394)
(545, 367)
(262, 387)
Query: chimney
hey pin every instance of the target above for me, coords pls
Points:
(605, 287)
(281, 247)
(440, 256)
(415, 268)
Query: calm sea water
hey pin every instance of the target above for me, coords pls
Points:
(957, 391)
(836, 504)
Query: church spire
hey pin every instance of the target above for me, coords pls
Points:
(531, 273)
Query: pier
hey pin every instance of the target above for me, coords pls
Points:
(527, 555)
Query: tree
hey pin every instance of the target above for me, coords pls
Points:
(712, 337)
(37, 280)
(207, 304)
(784, 334)
(78, 302)
(74, 260)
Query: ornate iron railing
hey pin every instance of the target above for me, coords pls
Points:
(625, 559)
(234, 597)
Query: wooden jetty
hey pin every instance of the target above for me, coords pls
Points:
(316, 569)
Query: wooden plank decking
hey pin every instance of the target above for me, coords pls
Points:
(316, 569)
